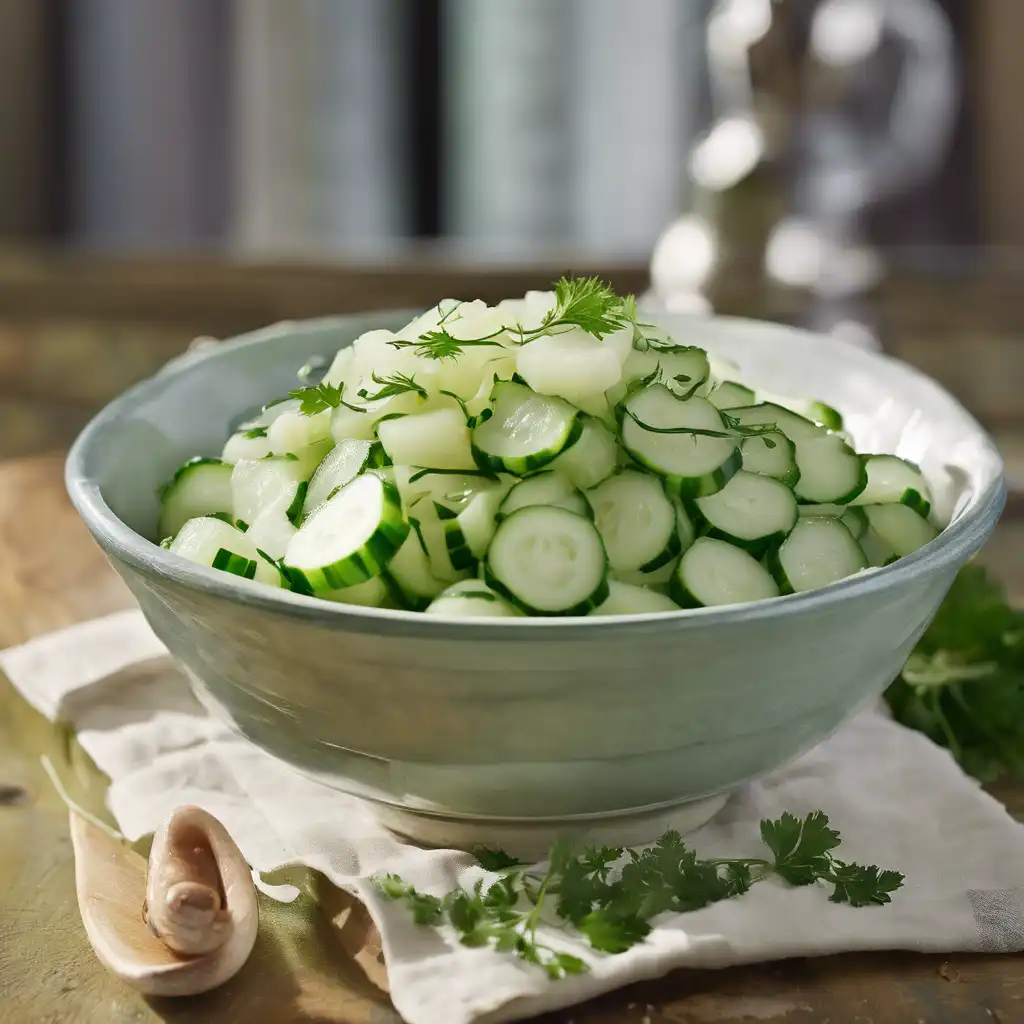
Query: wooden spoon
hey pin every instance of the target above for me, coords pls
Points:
(189, 926)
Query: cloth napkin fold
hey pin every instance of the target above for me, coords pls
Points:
(898, 800)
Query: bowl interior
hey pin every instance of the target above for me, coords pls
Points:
(190, 406)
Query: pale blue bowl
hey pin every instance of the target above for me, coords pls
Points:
(496, 730)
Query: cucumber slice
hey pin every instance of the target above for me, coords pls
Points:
(778, 462)
(408, 576)
(472, 599)
(714, 572)
(200, 487)
(625, 599)
(592, 458)
(572, 364)
(729, 395)
(277, 483)
(685, 529)
(818, 552)
(684, 368)
(830, 471)
(340, 466)
(892, 480)
(545, 488)
(292, 431)
(451, 488)
(653, 424)
(852, 518)
(350, 538)
(901, 528)
(636, 520)
(548, 561)
(360, 423)
(657, 579)
(271, 531)
(525, 432)
(479, 518)
(439, 438)
(247, 444)
(876, 550)
(372, 593)
(808, 408)
(794, 426)
(432, 533)
(751, 511)
(310, 457)
(214, 543)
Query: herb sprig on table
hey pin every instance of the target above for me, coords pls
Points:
(963, 686)
(609, 895)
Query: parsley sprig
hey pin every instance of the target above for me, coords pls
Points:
(587, 303)
(963, 686)
(320, 397)
(609, 895)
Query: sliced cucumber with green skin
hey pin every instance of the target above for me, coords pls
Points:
(350, 538)
(626, 599)
(277, 483)
(460, 554)
(472, 599)
(685, 529)
(636, 520)
(452, 488)
(891, 480)
(654, 425)
(684, 368)
(343, 464)
(372, 593)
(901, 528)
(199, 487)
(545, 488)
(592, 458)
(715, 573)
(729, 395)
(657, 579)
(817, 552)
(830, 471)
(408, 576)
(432, 532)
(810, 409)
(293, 431)
(310, 457)
(778, 462)
(851, 517)
(479, 517)
(548, 561)
(218, 545)
(796, 427)
(751, 511)
(525, 432)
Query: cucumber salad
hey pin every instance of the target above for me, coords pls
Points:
(550, 455)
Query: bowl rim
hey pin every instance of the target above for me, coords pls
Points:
(954, 545)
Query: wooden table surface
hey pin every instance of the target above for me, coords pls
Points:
(319, 962)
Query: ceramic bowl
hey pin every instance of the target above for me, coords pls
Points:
(498, 730)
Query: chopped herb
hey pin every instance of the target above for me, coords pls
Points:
(396, 384)
(610, 895)
(255, 432)
(420, 473)
(734, 430)
(320, 397)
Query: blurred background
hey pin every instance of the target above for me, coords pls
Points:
(176, 168)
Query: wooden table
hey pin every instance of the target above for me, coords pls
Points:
(318, 962)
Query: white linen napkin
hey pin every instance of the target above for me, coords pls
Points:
(898, 800)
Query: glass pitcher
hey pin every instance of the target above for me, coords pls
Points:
(822, 108)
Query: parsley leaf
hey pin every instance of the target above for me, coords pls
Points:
(861, 886)
(320, 397)
(963, 686)
(255, 432)
(494, 860)
(801, 848)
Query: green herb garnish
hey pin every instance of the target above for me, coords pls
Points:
(320, 397)
(396, 384)
(254, 432)
(734, 429)
(963, 686)
(609, 895)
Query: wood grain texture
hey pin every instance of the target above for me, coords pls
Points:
(319, 963)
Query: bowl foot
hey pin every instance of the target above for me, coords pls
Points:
(532, 840)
